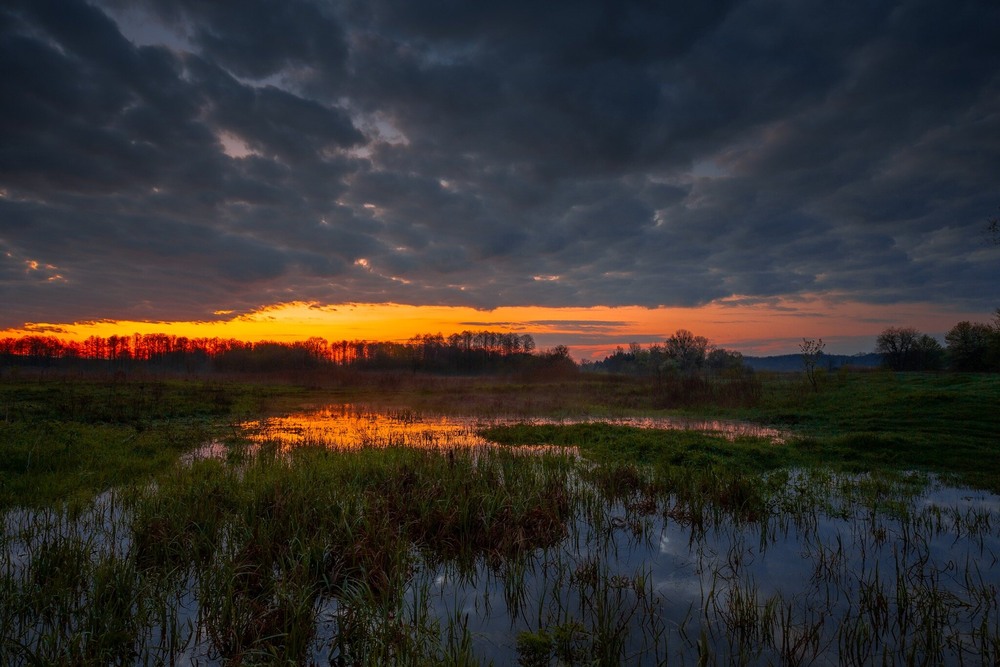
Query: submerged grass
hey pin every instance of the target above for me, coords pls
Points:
(401, 556)
(263, 546)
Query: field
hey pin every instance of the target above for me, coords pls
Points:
(866, 531)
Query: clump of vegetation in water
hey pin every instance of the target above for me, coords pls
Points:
(260, 542)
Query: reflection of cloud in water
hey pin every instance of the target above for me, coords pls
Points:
(672, 546)
(817, 563)
(678, 586)
(962, 499)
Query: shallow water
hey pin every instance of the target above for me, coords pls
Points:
(837, 582)
(839, 585)
(352, 425)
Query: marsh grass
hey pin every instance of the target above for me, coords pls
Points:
(402, 556)
(270, 538)
(655, 547)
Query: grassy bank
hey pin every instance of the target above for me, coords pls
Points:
(69, 438)
(856, 422)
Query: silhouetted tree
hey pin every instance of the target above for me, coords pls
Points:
(970, 346)
(928, 353)
(724, 361)
(906, 349)
(557, 363)
(686, 350)
(993, 354)
(812, 350)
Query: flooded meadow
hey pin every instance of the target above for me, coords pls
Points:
(350, 535)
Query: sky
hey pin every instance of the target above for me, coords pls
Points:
(593, 173)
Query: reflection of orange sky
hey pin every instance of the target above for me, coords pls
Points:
(352, 426)
(775, 327)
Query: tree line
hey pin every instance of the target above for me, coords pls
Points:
(969, 347)
(686, 370)
(465, 352)
(681, 353)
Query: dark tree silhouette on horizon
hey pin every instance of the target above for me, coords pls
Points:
(906, 349)
(812, 350)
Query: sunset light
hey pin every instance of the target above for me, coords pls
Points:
(776, 327)
(499, 332)
(281, 195)
(391, 169)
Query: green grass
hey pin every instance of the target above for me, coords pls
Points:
(956, 405)
(946, 423)
(70, 439)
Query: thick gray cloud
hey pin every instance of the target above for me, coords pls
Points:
(164, 159)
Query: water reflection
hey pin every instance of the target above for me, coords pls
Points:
(350, 426)
(829, 569)
(353, 425)
(839, 584)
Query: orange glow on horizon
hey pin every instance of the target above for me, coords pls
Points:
(774, 327)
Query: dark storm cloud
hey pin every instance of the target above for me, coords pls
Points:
(169, 159)
(255, 38)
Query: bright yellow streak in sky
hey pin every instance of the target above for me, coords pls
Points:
(774, 327)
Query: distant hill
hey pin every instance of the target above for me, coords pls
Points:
(793, 362)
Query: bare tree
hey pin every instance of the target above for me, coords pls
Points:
(812, 350)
